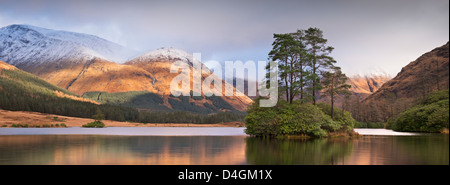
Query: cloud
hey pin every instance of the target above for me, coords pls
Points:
(366, 34)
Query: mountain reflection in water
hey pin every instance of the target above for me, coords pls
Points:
(222, 150)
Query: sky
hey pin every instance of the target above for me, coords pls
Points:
(369, 37)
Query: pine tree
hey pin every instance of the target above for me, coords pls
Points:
(285, 50)
(334, 83)
(301, 63)
(290, 52)
(319, 57)
(99, 115)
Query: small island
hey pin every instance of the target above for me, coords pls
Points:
(298, 119)
(305, 73)
(97, 123)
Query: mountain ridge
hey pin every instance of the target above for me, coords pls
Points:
(50, 45)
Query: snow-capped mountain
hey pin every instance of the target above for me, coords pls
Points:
(168, 55)
(84, 63)
(26, 44)
(165, 54)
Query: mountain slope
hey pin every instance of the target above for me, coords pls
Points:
(428, 73)
(22, 91)
(158, 63)
(13, 79)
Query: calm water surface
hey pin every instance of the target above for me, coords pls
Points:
(132, 131)
(213, 146)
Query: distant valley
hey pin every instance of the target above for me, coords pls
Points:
(361, 88)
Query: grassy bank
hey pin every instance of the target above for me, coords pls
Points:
(429, 115)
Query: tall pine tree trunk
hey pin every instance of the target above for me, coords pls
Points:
(332, 98)
(314, 73)
(332, 106)
(314, 83)
(291, 81)
(301, 79)
(286, 82)
(301, 85)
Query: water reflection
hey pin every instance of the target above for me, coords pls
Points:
(297, 151)
(222, 150)
(132, 150)
(402, 150)
(369, 150)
